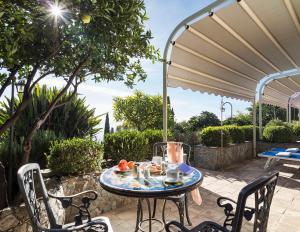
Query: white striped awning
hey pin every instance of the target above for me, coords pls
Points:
(229, 50)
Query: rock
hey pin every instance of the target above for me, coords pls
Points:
(10, 221)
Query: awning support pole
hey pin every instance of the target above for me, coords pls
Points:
(165, 103)
(254, 126)
(259, 114)
(290, 110)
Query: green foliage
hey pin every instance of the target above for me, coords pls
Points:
(211, 136)
(115, 39)
(248, 131)
(296, 129)
(239, 120)
(276, 122)
(129, 145)
(236, 133)
(203, 120)
(141, 111)
(40, 147)
(269, 112)
(75, 119)
(75, 156)
(278, 134)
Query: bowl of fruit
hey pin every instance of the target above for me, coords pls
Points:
(124, 166)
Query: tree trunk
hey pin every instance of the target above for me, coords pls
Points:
(39, 122)
(3, 186)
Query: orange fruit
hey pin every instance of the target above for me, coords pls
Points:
(130, 164)
(122, 165)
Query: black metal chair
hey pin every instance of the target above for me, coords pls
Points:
(29, 175)
(263, 189)
(181, 201)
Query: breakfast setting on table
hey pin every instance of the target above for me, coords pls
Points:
(166, 176)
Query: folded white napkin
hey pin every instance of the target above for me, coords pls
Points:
(294, 149)
(283, 153)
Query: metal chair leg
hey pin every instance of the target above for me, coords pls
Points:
(186, 206)
(154, 208)
(138, 215)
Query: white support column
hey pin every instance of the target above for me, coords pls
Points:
(287, 114)
(259, 114)
(254, 126)
(290, 111)
(165, 103)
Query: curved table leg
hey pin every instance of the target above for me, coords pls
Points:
(186, 206)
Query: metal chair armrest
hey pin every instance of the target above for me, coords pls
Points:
(67, 201)
(177, 224)
(228, 210)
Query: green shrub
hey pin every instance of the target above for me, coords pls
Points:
(276, 122)
(248, 131)
(211, 136)
(39, 148)
(296, 130)
(75, 156)
(236, 134)
(129, 145)
(278, 134)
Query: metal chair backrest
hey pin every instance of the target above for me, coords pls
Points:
(160, 149)
(28, 176)
(263, 189)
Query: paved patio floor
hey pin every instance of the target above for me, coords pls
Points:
(285, 209)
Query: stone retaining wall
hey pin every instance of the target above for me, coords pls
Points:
(16, 219)
(214, 158)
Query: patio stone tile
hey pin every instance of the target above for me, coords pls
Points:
(284, 213)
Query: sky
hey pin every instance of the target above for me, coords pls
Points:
(163, 18)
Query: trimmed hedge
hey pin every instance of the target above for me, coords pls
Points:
(296, 130)
(75, 156)
(236, 133)
(152, 136)
(248, 131)
(129, 145)
(276, 122)
(278, 134)
(211, 136)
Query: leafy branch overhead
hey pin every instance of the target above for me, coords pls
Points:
(103, 40)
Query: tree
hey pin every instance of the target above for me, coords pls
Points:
(35, 44)
(106, 126)
(240, 120)
(141, 111)
(269, 112)
(205, 119)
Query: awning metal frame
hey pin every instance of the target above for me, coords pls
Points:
(207, 11)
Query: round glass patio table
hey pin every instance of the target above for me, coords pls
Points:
(126, 184)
